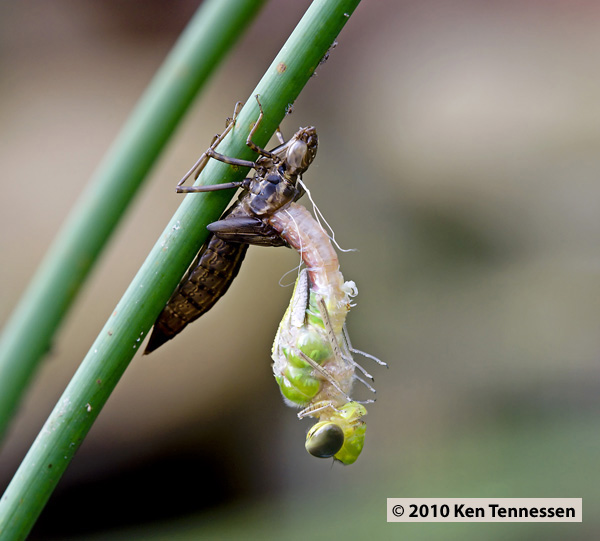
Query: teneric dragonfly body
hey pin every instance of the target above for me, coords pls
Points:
(312, 354)
(273, 186)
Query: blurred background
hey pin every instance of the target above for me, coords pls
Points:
(458, 153)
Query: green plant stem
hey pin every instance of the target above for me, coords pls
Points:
(122, 335)
(28, 334)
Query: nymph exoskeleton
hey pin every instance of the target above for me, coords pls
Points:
(273, 186)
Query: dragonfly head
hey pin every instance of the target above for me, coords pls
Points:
(301, 150)
(325, 439)
(341, 436)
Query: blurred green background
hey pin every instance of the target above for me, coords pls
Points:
(458, 153)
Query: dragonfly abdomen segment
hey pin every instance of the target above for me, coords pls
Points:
(206, 282)
(296, 225)
(211, 277)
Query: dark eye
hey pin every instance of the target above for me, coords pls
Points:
(326, 441)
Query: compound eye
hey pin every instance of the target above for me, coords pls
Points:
(297, 155)
(325, 441)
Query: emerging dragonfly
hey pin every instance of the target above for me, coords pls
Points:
(312, 354)
(273, 186)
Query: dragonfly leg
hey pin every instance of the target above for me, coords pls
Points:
(209, 187)
(367, 355)
(236, 111)
(211, 153)
(203, 160)
(317, 407)
(324, 313)
(365, 383)
(350, 359)
(333, 341)
(252, 144)
(280, 136)
(349, 350)
(326, 375)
